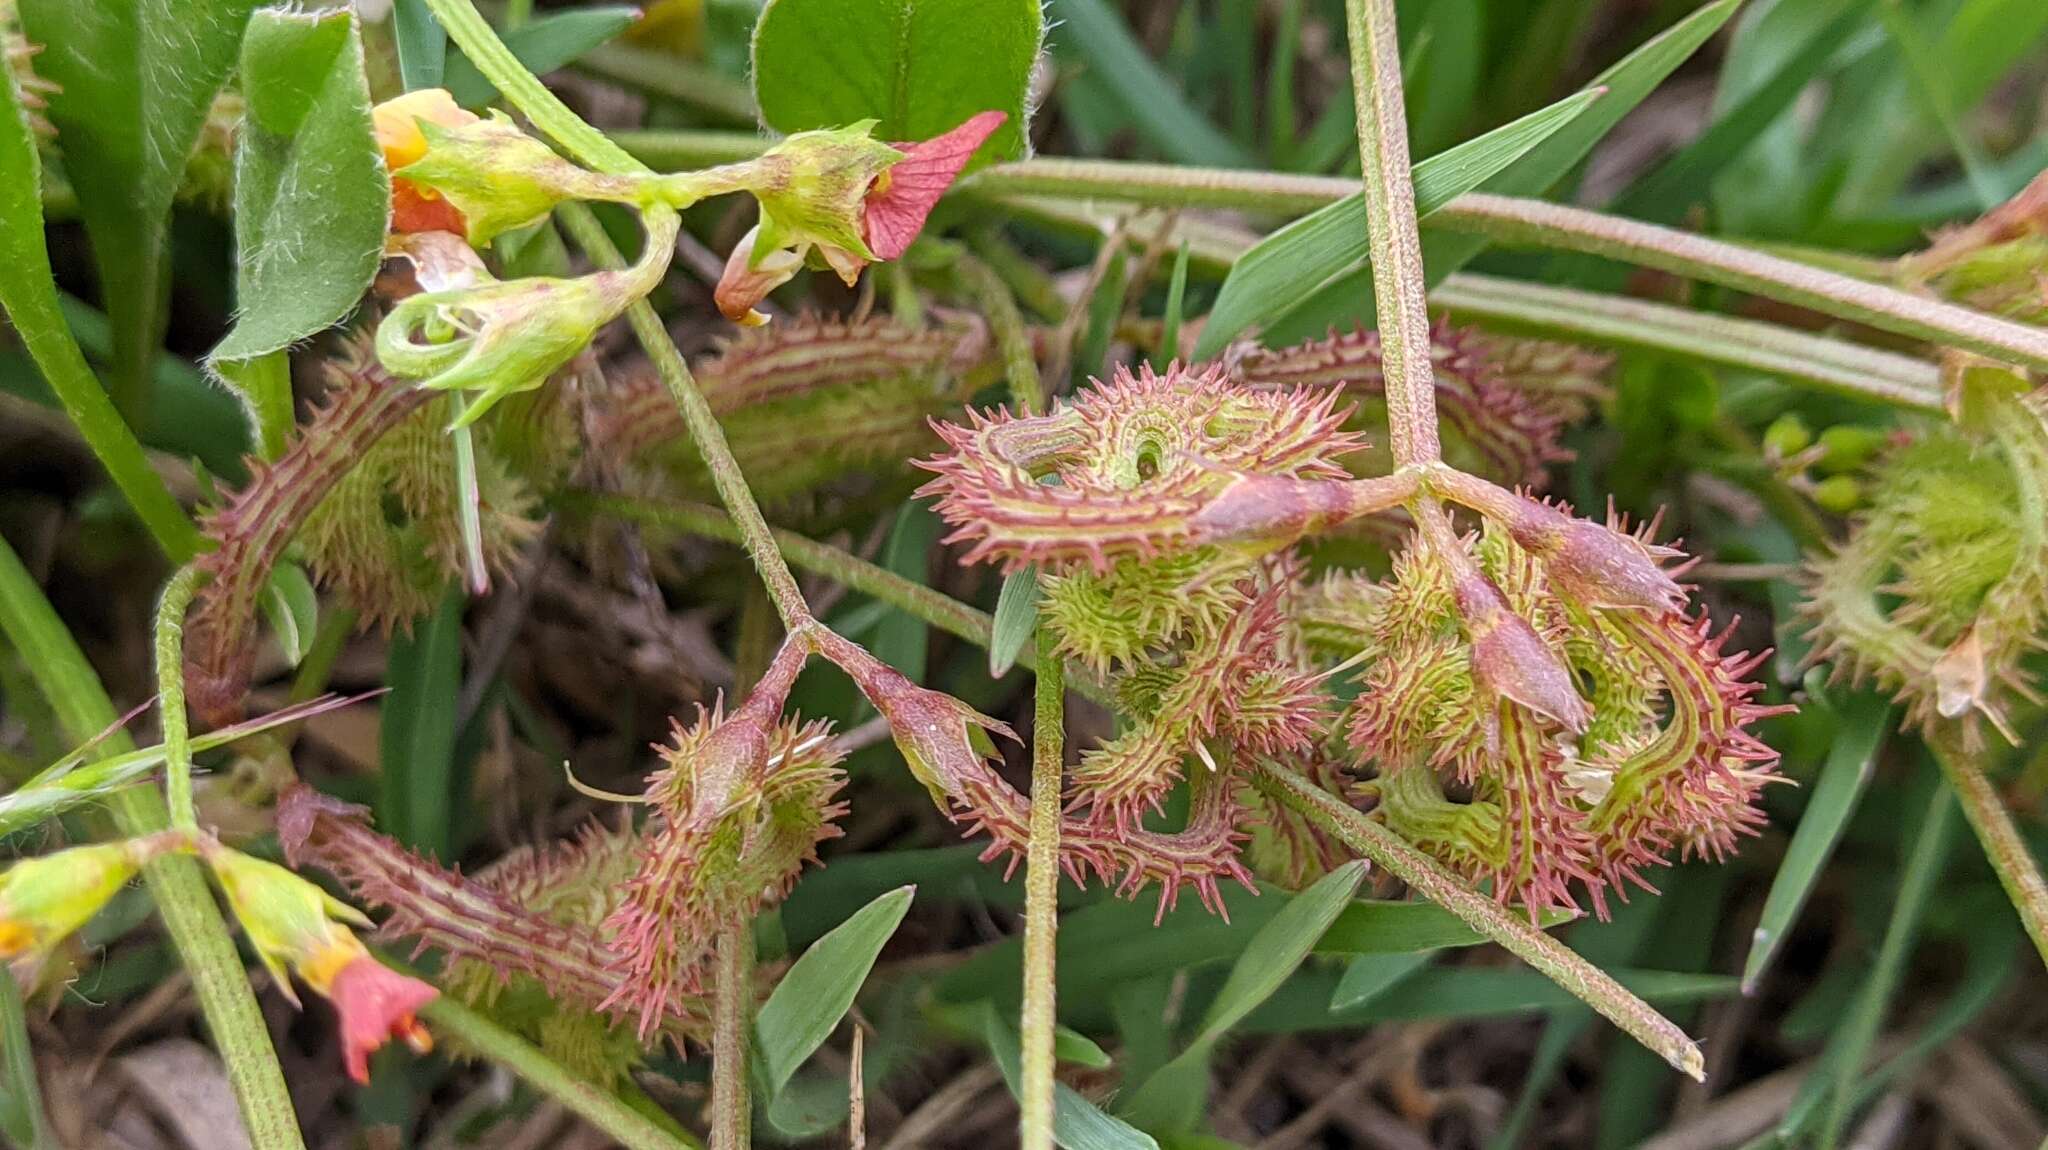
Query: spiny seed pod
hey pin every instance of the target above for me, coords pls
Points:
(804, 403)
(388, 532)
(1493, 424)
(528, 927)
(1941, 588)
(1145, 465)
(251, 531)
(740, 805)
(1650, 753)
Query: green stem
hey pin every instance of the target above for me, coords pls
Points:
(170, 686)
(732, 1000)
(600, 1108)
(1393, 854)
(1013, 336)
(1508, 220)
(24, 1087)
(664, 74)
(1852, 369)
(2018, 871)
(1396, 243)
(175, 881)
(1041, 898)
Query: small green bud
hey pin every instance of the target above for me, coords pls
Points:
(1787, 436)
(1840, 494)
(1848, 447)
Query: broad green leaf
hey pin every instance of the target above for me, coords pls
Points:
(134, 81)
(819, 988)
(1299, 258)
(312, 199)
(920, 67)
(72, 781)
(1348, 298)
(1164, 1101)
(543, 45)
(1865, 721)
(293, 608)
(900, 638)
(416, 737)
(1093, 31)
(1077, 1124)
(1016, 619)
(1371, 975)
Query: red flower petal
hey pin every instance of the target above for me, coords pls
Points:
(377, 1004)
(896, 212)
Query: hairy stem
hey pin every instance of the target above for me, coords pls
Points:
(733, 994)
(2018, 872)
(170, 687)
(1041, 896)
(1852, 369)
(1587, 982)
(632, 1129)
(1396, 243)
(1505, 218)
(175, 881)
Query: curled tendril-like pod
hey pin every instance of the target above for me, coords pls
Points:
(252, 530)
(1941, 588)
(536, 915)
(1649, 753)
(1493, 425)
(740, 804)
(806, 402)
(947, 746)
(1151, 464)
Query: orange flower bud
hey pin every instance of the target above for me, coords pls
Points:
(399, 136)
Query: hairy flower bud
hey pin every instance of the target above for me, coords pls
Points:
(400, 136)
(44, 899)
(843, 196)
(499, 179)
(295, 925)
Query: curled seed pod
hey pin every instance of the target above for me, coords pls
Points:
(804, 403)
(1653, 755)
(1150, 464)
(533, 919)
(1495, 424)
(387, 533)
(740, 804)
(1941, 588)
(251, 531)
